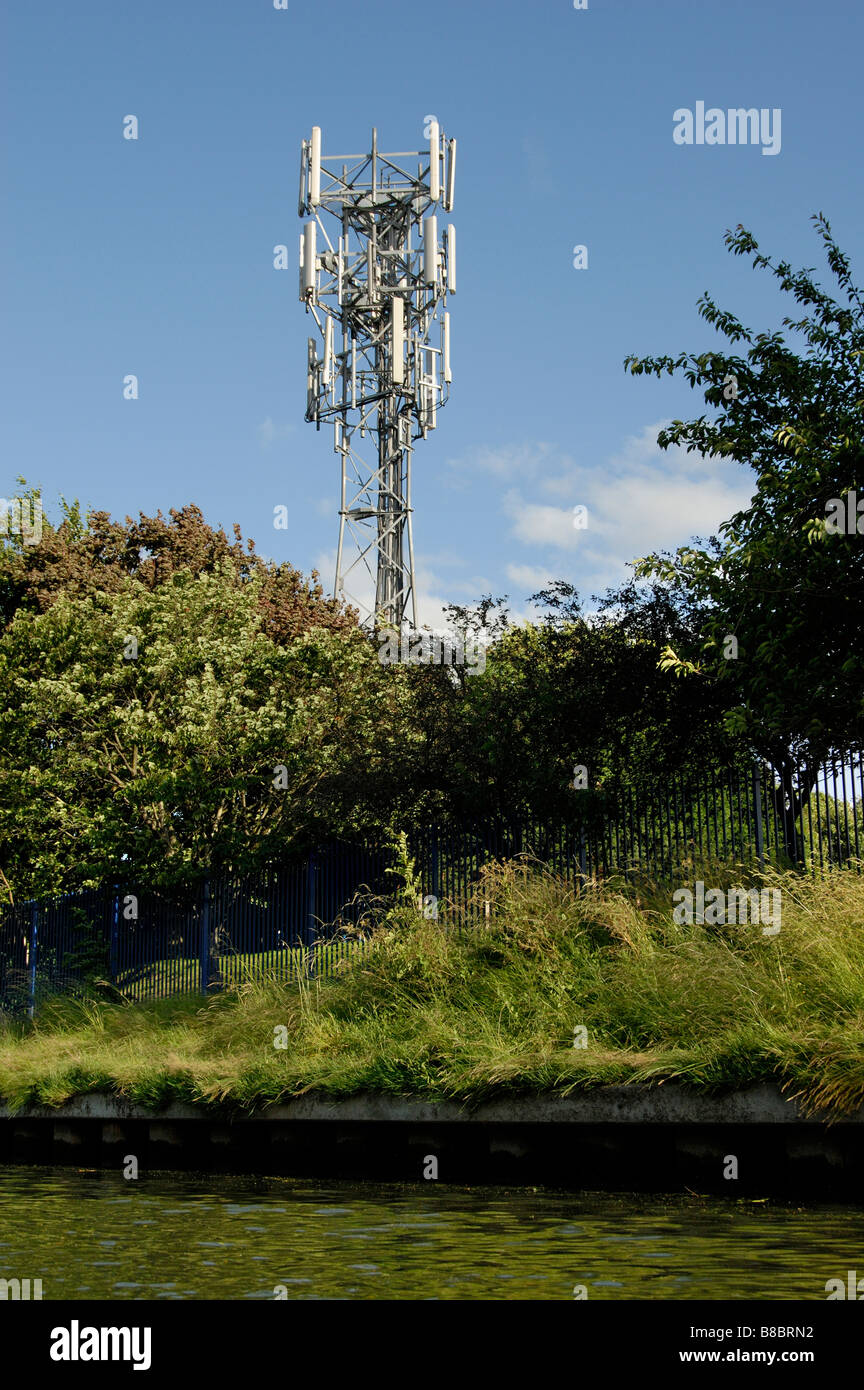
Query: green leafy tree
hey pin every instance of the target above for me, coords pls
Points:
(789, 405)
(562, 691)
(161, 734)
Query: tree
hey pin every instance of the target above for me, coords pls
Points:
(161, 734)
(94, 554)
(776, 580)
(562, 691)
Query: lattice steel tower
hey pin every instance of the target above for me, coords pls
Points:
(378, 297)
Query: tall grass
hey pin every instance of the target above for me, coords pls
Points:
(473, 1005)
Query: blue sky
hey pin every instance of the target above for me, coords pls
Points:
(155, 256)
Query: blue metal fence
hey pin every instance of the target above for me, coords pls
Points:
(285, 920)
(291, 920)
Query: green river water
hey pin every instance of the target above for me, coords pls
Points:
(93, 1235)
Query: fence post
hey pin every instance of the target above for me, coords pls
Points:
(204, 940)
(433, 863)
(757, 806)
(311, 904)
(34, 945)
(115, 937)
(310, 898)
(583, 857)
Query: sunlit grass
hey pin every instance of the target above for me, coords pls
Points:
(468, 1010)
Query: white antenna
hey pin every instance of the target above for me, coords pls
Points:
(315, 167)
(451, 175)
(308, 260)
(397, 334)
(434, 162)
(304, 175)
(370, 270)
(430, 251)
(451, 259)
(311, 365)
(353, 374)
(328, 351)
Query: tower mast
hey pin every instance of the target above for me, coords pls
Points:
(379, 365)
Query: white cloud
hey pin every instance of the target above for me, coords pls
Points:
(268, 433)
(534, 522)
(641, 500)
(507, 460)
(529, 577)
(447, 559)
(432, 593)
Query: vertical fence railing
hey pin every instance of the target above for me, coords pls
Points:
(757, 812)
(204, 944)
(288, 917)
(32, 953)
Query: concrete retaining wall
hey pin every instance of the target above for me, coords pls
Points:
(634, 1138)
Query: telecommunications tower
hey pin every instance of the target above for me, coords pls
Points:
(379, 367)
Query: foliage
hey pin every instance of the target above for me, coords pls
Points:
(565, 691)
(788, 591)
(83, 556)
(404, 869)
(213, 746)
(160, 723)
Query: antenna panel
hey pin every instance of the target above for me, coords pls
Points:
(315, 167)
(434, 161)
(430, 251)
(397, 338)
(309, 259)
(451, 175)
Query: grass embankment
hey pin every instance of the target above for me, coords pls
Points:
(469, 1013)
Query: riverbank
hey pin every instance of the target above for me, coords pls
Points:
(752, 1142)
(552, 995)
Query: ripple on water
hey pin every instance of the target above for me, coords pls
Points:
(185, 1236)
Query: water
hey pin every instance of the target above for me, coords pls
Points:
(90, 1234)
